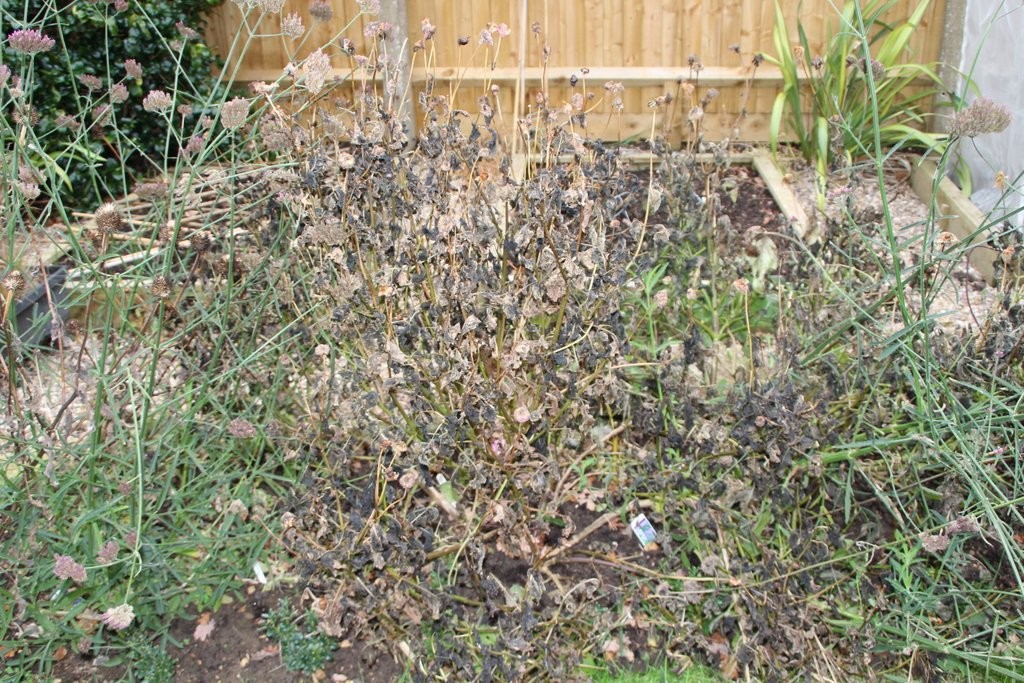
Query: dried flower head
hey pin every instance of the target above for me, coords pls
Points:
(107, 552)
(934, 543)
(321, 11)
(316, 69)
(132, 68)
(201, 241)
(241, 429)
(944, 240)
(378, 29)
(118, 618)
(118, 93)
(152, 190)
(270, 6)
(428, 29)
(185, 31)
(963, 525)
(292, 27)
(91, 82)
(108, 218)
(29, 190)
(983, 116)
(30, 41)
(369, 6)
(1001, 181)
(234, 113)
(157, 100)
(161, 287)
(5, 73)
(66, 121)
(65, 567)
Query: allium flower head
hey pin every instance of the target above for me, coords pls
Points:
(234, 113)
(118, 93)
(983, 116)
(270, 6)
(321, 10)
(291, 26)
(369, 6)
(157, 100)
(108, 552)
(185, 31)
(5, 73)
(91, 82)
(118, 618)
(65, 567)
(132, 68)
(29, 41)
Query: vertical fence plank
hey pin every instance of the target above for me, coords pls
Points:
(582, 33)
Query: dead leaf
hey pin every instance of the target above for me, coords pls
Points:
(204, 627)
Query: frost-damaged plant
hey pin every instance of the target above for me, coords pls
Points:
(826, 99)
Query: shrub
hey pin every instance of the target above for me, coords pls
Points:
(86, 112)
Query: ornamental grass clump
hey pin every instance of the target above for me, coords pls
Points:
(828, 101)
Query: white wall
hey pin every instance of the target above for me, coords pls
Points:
(993, 46)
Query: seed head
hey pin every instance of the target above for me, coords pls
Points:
(291, 26)
(118, 93)
(234, 113)
(14, 282)
(157, 100)
(30, 41)
(185, 31)
(316, 69)
(118, 618)
(944, 240)
(201, 241)
(271, 6)
(65, 567)
(91, 82)
(983, 116)
(108, 218)
(321, 11)
(161, 287)
(132, 68)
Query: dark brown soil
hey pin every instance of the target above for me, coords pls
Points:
(236, 650)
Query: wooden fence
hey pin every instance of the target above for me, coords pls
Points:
(647, 45)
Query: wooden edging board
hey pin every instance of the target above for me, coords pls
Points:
(954, 213)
